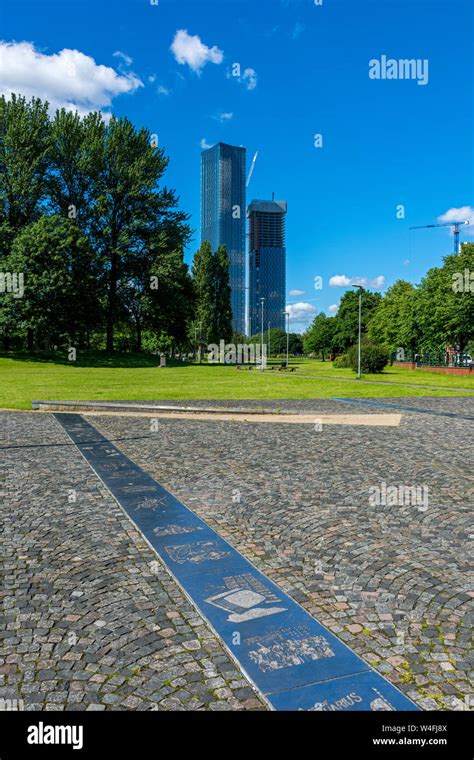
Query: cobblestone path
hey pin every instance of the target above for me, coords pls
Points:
(90, 619)
(394, 582)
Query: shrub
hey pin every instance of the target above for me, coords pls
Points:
(374, 357)
(342, 362)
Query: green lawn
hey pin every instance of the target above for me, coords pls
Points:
(127, 377)
(390, 375)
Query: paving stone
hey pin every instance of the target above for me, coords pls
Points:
(391, 581)
(397, 575)
(82, 605)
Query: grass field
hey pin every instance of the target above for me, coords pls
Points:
(391, 375)
(24, 379)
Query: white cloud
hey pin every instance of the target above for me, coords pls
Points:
(163, 91)
(463, 214)
(225, 117)
(124, 57)
(296, 292)
(341, 281)
(68, 79)
(204, 144)
(152, 78)
(333, 309)
(377, 282)
(302, 312)
(188, 49)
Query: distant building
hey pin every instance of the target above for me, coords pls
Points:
(267, 264)
(223, 201)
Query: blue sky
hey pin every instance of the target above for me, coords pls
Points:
(304, 70)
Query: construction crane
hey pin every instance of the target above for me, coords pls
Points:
(454, 225)
(252, 168)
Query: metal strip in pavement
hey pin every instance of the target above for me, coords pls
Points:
(403, 408)
(290, 658)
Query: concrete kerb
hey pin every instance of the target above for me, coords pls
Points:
(314, 418)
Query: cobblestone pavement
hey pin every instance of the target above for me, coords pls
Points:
(89, 619)
(393, 582)
(92, 621)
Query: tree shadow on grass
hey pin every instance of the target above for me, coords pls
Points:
(93, 359)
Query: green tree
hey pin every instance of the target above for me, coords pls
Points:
(319, 338)
(107, 177)
(347, 319)
(212, 293)
(394, 323)
(277, 340)
(131, 210)
(238, 338)
(223, 307)
(77, 167)
(169, 295)
(24, 159)
(9, 328)
(295, 344)
(445, 306)
(60, 301)
(104, 178)
(204, 288)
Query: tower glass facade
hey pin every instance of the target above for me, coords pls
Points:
(223, 215)
(267, 264)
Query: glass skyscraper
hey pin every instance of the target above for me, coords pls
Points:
(267, 264)
(223, 170)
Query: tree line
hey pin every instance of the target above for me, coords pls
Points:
(425, 318)
(98, 238)
(277, 342)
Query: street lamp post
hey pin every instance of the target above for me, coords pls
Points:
(360, 330)
(269, 340)
(262, 301)
(200, 340)
(287, 314)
